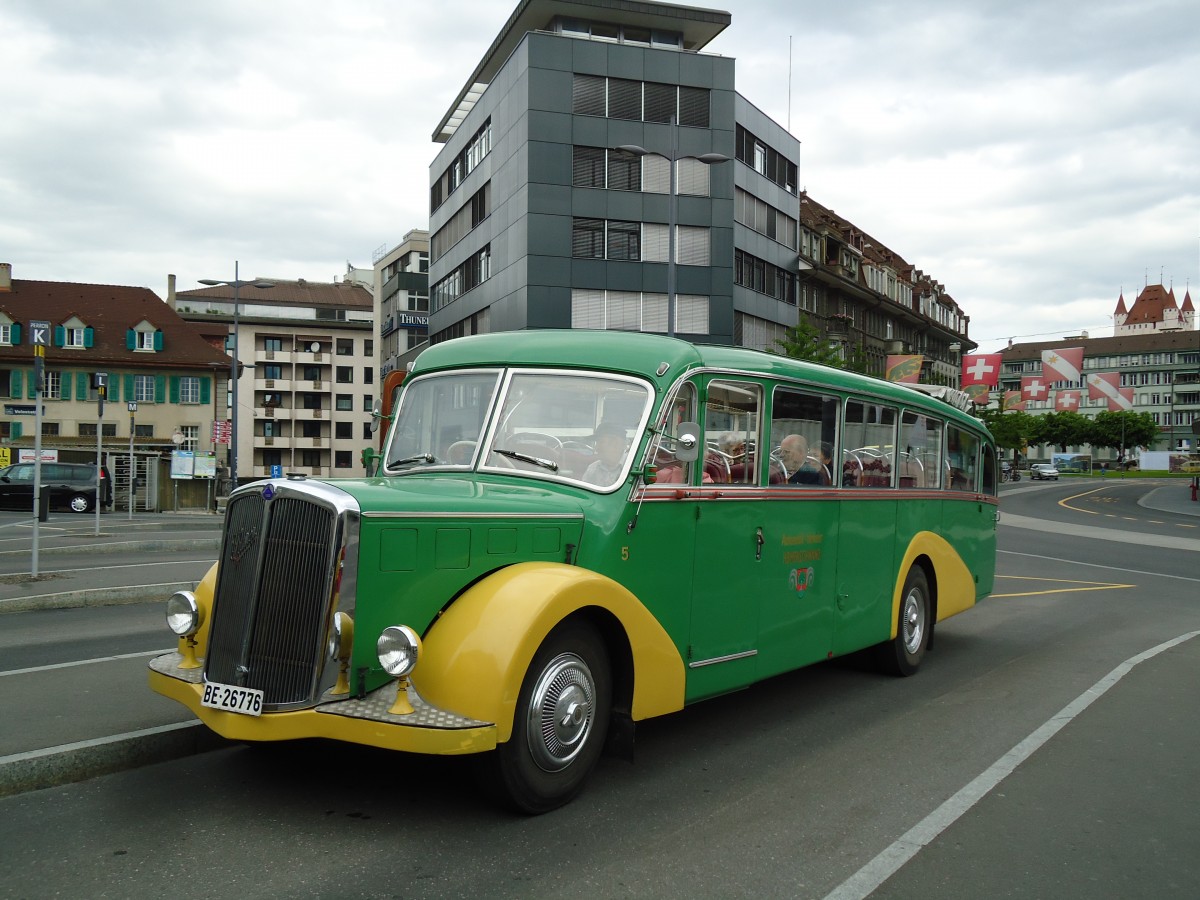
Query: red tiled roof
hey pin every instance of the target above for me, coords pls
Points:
(291, 293)
(110, 311)
(1149, 305)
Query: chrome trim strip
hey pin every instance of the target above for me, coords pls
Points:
(720, 659)
(469, 515)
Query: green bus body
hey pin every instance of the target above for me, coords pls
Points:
(750, 566)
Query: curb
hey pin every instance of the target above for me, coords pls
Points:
(80, 761)
(115, 596)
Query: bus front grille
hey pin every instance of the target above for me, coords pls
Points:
(273, 598)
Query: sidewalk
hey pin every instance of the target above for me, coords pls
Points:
(1174, 498)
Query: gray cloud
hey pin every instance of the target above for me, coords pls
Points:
(1035, 158)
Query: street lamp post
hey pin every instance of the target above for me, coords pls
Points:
(708, 159)
(236, 284)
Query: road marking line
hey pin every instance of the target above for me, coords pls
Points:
(1075, 562)
(94, 742)
(85, 662)
(893, 858)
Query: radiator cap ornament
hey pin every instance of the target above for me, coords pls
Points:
(268, 492)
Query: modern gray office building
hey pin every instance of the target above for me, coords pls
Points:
(551, 200)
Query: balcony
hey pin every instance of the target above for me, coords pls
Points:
(272, 356)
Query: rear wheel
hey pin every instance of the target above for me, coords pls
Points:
(903, 655)
(560, 724)
(80, 503)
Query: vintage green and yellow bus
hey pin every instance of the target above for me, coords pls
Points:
(569, 532)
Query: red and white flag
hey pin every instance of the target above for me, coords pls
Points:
(1064, 400)
(1012, 400)
(981, 368)
(1034, 387)
(1107, 386)
(1063, 364)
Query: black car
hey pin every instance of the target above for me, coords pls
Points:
(70, 485)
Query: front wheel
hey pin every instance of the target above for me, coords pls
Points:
(80, 503)
(903, 655)
(560, 723)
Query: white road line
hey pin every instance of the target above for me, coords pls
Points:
(85, 662)
(94, 742)
(1122, 569)
(146, 565)
(908, 845)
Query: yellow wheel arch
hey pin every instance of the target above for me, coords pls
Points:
(204, 592)
(950, 580)
(475, 656)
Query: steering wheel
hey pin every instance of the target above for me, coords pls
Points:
(549, 441)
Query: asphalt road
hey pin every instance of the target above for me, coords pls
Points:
(1046, 749)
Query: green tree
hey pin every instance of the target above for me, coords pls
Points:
(1122, 430)
(1012, 429)
(1063, 429)
(803, 341)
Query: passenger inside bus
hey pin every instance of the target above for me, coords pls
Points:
(801, 468)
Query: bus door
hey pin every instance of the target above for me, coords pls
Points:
(968, 522)
(866, 570)
(729, 570)
(801, 531)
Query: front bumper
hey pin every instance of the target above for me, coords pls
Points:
(367, 721)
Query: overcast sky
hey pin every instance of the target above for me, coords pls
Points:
(1037, 158)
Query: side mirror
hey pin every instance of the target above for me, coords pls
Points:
(376, 414)
(688, 443)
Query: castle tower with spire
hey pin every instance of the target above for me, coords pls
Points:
(1154, 310)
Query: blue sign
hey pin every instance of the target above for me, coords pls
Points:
(276, 471)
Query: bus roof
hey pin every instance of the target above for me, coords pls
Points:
(661, 360)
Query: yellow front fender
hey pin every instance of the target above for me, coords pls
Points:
(955, 583)
(475, 656)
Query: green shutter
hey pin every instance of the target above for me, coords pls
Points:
(31, 387)
(129, 394)
(65, 386)
(174, 388)
(158, 340)
(160, 389)
(130, 339)
(205, 392)
(89, 336)
(15, 430)
(14, 384)
(114, 388)
(15, 331)
(81, 385)
(60, 336)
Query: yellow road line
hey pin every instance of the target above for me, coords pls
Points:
(1084, 586)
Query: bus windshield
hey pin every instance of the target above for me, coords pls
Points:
(559, 425)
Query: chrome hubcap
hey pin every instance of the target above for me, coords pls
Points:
(561, 712)
(913, 621)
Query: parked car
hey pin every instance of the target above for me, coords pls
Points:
(1043, 472)
(70, 486)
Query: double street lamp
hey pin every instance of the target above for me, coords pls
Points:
(708, 159)
(236, 284)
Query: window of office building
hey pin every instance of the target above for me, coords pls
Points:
(345, 346)
(342, 459)
(344, 402)
(345, 374)
(343, 430)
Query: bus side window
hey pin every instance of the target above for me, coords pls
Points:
(920, 451)
(869, 439)
(803, 436)
(682, 408)
(732, 412)
(962, 452)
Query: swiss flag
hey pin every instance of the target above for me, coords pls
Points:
(981, 368)
(1034, 387)
(1063, 364)
(1068, 400)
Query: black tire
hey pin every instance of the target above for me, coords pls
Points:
(560, 723)
(902, 656)
(80, 503)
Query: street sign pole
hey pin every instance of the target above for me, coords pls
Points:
(39, 337)
(132, 467)
(101, 382)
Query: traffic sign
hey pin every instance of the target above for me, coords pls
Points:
(39, 334)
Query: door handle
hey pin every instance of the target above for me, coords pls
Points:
(758, 539)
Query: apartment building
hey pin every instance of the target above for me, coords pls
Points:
(597, 162)
(151, 358)
(401, 288)
(309, 371)
(1156, 350)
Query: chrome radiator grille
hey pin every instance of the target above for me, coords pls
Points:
(272, 606)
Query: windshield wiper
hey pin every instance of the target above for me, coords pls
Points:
(420, 457)
(525, 457)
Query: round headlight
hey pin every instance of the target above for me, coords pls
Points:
(183, 613)
(398, 648)
(341, 636)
